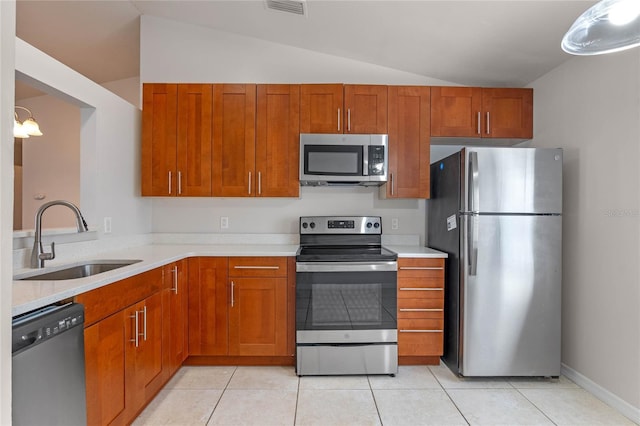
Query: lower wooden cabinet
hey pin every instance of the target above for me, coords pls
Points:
(238, 307)
(123, 347)
(420, 310)
(174, 309)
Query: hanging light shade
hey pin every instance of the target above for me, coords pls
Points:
(18, 130)
(28, 127)
(608, 26)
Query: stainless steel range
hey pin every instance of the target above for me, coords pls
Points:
(346, 299)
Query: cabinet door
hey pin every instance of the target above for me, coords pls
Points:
(194, 140)
(174, 312)
(321, 107)
(508, 113)
(456, 111)
(208, 306)
(234, 118)
(278, 140)
(159, 112)
(104, 347)
(365, 109)
(143, 354)
(258, 316)
(409, 142)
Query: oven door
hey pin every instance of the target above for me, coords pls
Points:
(346, 302)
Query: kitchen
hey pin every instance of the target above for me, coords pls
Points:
(600, 176)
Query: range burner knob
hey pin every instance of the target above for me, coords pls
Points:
(304, 225)
(369, 225)
(376, 225)
(312, 225)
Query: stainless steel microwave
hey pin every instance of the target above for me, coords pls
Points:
(337, 159)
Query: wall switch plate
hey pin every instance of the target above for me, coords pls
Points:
(107, 225)
(394, 223)
(224, 222)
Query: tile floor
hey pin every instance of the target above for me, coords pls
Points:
(418, 395)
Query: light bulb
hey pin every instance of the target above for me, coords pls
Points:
(624, 11)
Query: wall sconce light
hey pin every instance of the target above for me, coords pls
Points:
(608, 26)
(28, 127)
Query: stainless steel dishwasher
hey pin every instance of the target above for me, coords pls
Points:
(48, 380)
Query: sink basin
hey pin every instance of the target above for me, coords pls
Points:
(77, 271)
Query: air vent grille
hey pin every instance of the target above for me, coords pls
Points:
(297, 7)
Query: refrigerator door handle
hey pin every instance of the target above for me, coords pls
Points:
(473, 243)
(474, 195)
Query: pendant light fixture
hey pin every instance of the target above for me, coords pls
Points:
(28, 127)
(608, 26)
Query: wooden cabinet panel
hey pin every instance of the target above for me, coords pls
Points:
(420, 337)
(175, 310)
(455, 111)
(258, 266)
(208, 306)
(176, 139)
(365, 109)
(104, 346)
(321, 108)
(258, 316)
(194, 146)
(234, 112)
(278, 140)
(420, 309)
(482, 112)
(159, 138)
(508, 113)
(409, 142)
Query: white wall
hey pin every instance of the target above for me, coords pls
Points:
(590, 107)
(110, 143)
(7, 88)
(175, 52)
(51, 162)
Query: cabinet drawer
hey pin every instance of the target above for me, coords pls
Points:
(421, 308)
(420, 267)
(420, 337)
(111, 298)
(258, 266)
(422, 288)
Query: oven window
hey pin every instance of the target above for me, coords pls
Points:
(335, 160)
(346, 300)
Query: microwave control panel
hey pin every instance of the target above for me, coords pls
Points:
(376, 160)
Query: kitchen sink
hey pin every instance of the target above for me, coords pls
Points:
(81, 270)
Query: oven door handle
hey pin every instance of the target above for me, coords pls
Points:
(346, 266)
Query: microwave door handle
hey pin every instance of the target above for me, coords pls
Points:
(365, 160)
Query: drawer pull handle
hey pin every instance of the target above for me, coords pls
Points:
(420, 331)
(421, 310)
(256, 267)
(422, 268)
(421, 289)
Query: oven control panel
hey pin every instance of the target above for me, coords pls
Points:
(340, 225)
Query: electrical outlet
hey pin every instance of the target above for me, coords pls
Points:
(394, 223)
(107, 225)
(224, 222)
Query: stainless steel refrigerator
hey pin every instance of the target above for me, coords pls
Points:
(497, 212)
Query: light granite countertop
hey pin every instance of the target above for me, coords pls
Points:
(33, 294)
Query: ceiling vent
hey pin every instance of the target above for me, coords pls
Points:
(297, 7)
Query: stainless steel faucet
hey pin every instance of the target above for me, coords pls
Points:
(38, 255)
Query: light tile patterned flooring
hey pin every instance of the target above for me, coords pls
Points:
(418, 395)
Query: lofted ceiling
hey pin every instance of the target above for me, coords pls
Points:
(484, 43)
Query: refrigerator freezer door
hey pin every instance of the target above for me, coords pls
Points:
(512, 180)
(511, 306)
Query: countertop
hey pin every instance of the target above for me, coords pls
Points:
(30, 295)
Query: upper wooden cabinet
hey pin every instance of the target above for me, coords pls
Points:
(481, 112)
(278, 140)
(234, 133)
(337, 108)
(409, 143)
(256, 140)
(176, 139)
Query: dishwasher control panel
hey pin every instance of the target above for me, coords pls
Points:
(35, 327)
